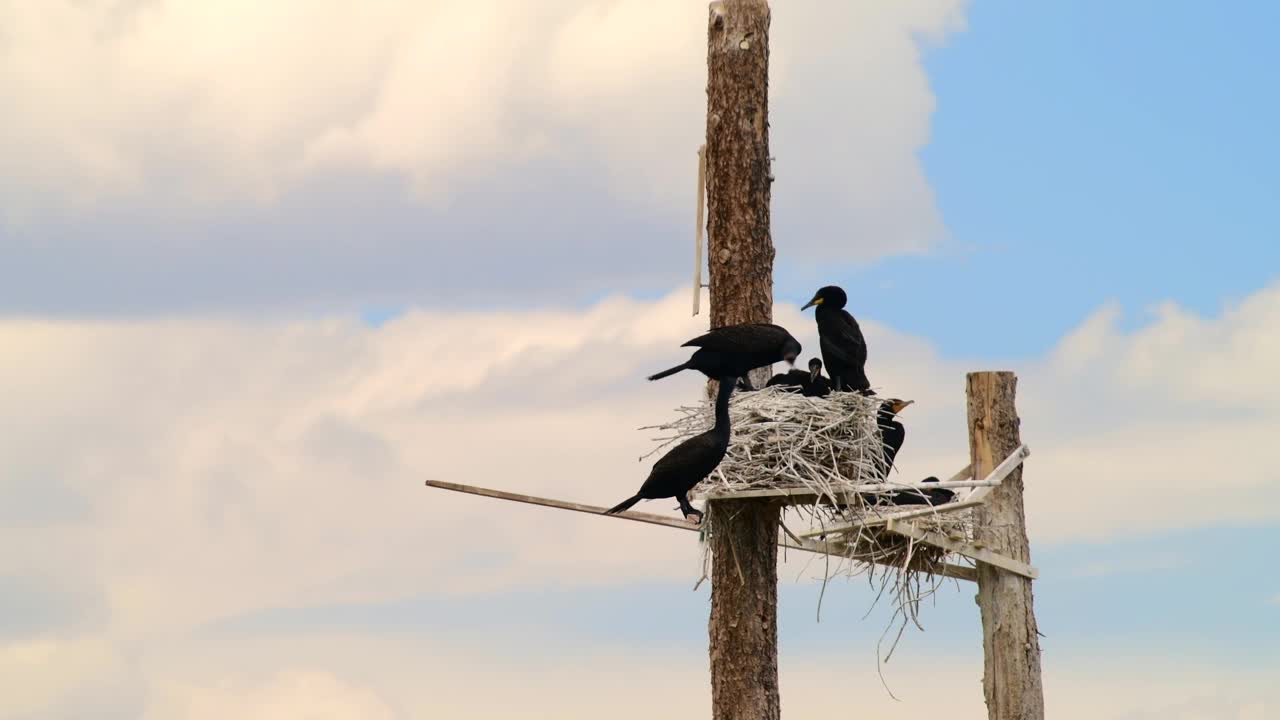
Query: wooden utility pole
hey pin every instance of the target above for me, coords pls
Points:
(1010, 641)
(744, 533)
(740, 248)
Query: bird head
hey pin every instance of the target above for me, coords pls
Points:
(815, 368)
(790, 351)
(830, 296)
(893, 406)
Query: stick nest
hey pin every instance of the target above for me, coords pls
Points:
(830, 447)
(784, 440)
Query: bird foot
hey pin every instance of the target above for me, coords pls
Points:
(695, 514)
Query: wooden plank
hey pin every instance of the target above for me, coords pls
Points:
(958, 572)
(1007, 466)
(951, 570)
(964, 473)
(799, 494)
(882, 519)
(969, 550)
(564, 505)
(699, 223)
(1002, 471)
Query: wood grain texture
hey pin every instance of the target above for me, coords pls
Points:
(1011, 680)
(743, 628)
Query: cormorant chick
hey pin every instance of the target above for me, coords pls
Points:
(818, 385)
(688, 463)
(735, 350)
(810, 384)
(843, 347)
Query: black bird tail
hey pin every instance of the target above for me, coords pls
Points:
(670, 371)
(624, 505)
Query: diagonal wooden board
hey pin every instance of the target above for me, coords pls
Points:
(958, 572)
(563, 505)
(928, 511)
(909, 529)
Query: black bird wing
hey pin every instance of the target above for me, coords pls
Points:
(791, 378)
(819, 387)
(841, 340)
(685, 465)
(747, 337)
(892, 434)
(843, 350)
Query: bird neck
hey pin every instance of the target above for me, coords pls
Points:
(722, 406)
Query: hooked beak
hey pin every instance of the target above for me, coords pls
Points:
(901, 405)
(813, 374)
(811, 303)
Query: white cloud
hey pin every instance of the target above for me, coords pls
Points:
(336, 676)
(312, 695)
(67, 677)
(218, 467)
(184, 102)
(212, 464)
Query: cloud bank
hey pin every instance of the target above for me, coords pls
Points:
(208, 457)
(182, 153)
(177, 473)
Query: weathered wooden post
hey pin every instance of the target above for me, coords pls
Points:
(744, 544)
(1010, 642)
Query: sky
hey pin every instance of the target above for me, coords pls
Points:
(264, 268)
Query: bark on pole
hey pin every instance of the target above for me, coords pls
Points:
(744, 575)
(1010, 642)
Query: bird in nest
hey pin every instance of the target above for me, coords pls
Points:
(893, 433)
(809, 384)
(844, 350)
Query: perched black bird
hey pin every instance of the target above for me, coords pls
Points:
(818, 385)
(810, 384)
(892, 432)
(688, 463)
(931, 496)
(793, 379)
(892, 435)
(735, 350)
(843, 347)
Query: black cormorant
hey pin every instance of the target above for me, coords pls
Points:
(931, 496)
(892, 432)
(793, 379)
(818, 385)
(688, 463)
(810, 384)
(892, 435)
(735, 350)
(843, 347)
